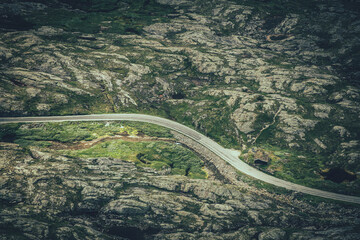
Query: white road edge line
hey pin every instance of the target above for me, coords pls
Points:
(223, 153)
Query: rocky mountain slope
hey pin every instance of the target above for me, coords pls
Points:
(247, 74)
(47, 195)
(279, 78)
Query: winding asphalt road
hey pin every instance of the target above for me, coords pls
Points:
(225, 154)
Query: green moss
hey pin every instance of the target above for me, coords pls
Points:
(159, 165)
(76, 131)
(158, 155)
(148, 154)
(303, 167)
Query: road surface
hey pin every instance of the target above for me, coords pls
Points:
(225, 154)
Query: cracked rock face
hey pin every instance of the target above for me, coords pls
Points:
(221, 46)
(50, 196)
(241, 72)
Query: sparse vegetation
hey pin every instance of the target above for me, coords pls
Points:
(290, 164)
(277, 76)
(66, 132)
(158, 155)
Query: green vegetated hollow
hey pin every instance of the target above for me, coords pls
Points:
(338, 175)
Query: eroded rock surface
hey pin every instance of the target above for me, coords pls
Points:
(254, 63)
(241, 72)
(50, 196)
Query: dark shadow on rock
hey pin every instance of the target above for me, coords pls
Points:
(338, 175)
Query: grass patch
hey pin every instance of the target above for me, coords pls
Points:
(66, 132)
(158, 155)
(303, 168)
